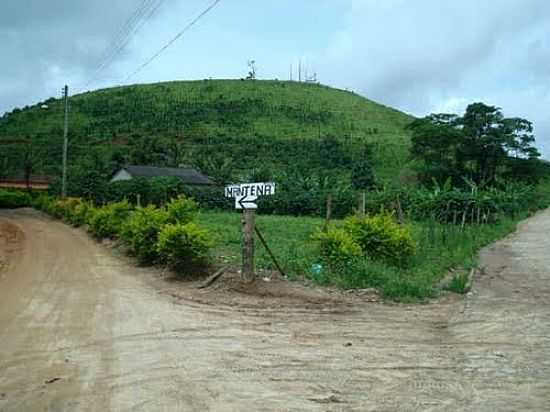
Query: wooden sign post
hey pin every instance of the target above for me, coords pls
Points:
(246, 196)
(248, 221)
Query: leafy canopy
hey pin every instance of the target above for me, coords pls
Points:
(477, 145)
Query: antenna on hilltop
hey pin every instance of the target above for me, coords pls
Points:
(312, 78)
(252, 68)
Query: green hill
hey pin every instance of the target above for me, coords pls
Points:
(231, 125)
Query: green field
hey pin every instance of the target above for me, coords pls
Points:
(440, 248)
(288, 237)
(197, 122)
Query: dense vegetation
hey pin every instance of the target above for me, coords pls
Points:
(10, 199)
(229, 129)
(481, 146)
(411, 198)
(370, 258)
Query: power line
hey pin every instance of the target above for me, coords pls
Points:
(167, 45)
(127, 27)
(119, 38)
(144, 12)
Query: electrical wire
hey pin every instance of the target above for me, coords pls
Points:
(144, 12)
(119, 38)
(173, 40)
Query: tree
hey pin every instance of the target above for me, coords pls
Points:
(176, 151)
(437, 141)
(21, 157)
(218, 167)
(476, 145)
(88, 175)
(148, 151)
(30, 158)
(362, 176)
(332, 155)
(262, 173)
(490, 139)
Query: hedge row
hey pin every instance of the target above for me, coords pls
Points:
(165, 235)
(12, 199)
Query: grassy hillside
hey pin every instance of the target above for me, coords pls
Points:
(210, 124)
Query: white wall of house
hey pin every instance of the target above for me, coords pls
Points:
(121, 175)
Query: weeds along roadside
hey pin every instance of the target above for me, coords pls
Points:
(440, 245)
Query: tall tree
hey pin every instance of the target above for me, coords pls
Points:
(438, 142)
(476, 145)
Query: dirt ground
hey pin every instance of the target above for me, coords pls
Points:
(83, 329)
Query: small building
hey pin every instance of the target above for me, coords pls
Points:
(187, 175)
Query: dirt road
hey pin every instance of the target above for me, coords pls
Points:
(81, 329)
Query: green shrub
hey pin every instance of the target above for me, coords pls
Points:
(140, 232)
(79, 215)
(72, 210)
(338, 248)
(459, 283)
(107, 221)
(11, 199)
(43, 203)
(381, 237)
(184, 247)
(56, 208)
(182, 210)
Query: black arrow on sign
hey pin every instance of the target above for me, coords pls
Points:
(243, 202)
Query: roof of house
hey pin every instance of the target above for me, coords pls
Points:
(188, 175)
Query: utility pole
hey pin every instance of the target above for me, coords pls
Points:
(65, 142)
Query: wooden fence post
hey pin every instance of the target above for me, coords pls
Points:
(400, 215)
(248, 273)
(329, 210)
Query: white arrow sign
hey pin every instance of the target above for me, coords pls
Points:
(246, 194)
(246, 202)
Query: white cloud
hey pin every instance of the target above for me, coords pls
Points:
(419, 56)
(431, 56)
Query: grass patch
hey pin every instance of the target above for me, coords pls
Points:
(288, 237)
(440, 248)
(458, 284)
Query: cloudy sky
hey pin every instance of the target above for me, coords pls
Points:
(419, 56)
